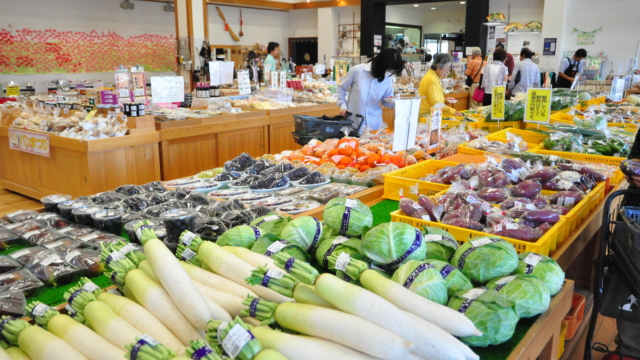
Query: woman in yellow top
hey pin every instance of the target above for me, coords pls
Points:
(431, 89)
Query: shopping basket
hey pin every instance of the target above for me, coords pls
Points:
(324, 127)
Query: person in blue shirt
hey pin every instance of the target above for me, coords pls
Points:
(273, 50)
(368, 85)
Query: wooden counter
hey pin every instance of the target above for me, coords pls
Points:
(79, 167)
(462, 100)
(193, 145)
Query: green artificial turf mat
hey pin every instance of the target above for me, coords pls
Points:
(382, 211)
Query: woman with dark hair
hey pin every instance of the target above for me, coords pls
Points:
(273, 52)
(430, 88)
(367, 85)
(495, 73)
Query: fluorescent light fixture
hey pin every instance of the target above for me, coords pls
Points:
(433, 8)
(416, 5)
(462, 2)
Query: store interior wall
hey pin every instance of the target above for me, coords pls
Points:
(437, 21)
(522, 11)
(85, 15)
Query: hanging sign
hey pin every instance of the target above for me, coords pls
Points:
(244, 83)
(41, 89)
(585, 37)
(538, 106)
(139, 83)
(405, 123)
(549, 46)
(13, 90)
(497, 102)
(29, 142)
(122, 82)
(377, 40)
(617, 89)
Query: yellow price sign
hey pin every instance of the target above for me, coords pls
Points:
(90, 115)
(538, 106)
(497, 102)
(13, 90)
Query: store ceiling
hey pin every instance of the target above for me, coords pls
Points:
(447, 5)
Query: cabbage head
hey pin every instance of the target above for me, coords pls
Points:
(440, 244)
(454, 278)
(392, 244)
(271, 224)
(491, 312)
(528, 293)
(337, 245)
(485, 258)
(306, 232)
(265, 241)
(423, 279)
(352, 220)
(243, 236)
(542, 267)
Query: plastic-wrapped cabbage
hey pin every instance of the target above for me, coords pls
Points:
(306, 232)
(243, 236)
(347, 217)
(454, 278)
(542, 267)
(440, 244)
(490, 311)
(271, 224)
(391, 244)
(270, 244)
(423, 279)
(529, 294)
(485, 258)
(337, 245)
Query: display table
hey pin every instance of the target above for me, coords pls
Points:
(462, 98)
(80, 167)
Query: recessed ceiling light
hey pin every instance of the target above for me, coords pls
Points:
(433, 8)
(416, 5)
(462, 2)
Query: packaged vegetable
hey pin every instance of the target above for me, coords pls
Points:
(492, 178)
(210, 229)
(177, 221)
(22, 215)
(528, 189)
(54, 220)
(542, 215)
(130, 190)
(8, 238)
(516, 231)
(46, 265)
(13, 304)
(484, 258)
(8, 264)
(82, 215)
(423, 279)
(85, 259)
(542, 267)
(414, 210)
(51, 202)
(347, 217)
(567, 199)
(20, 281)
(391, 244)
(108, 220)
(433, 209)
(493, 195)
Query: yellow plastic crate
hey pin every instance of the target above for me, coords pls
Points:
(492, 127)
(599, 159)
(628, 127)
(464, 149)
(563, 337)
(530, 137)
(464, 235)
(409, 176)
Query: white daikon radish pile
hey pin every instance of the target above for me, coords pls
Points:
(16, 353)
(252, 258)
(38, 343)
(343, 328)
(230, 303)
(83, 339)
(448, 319)
(306, 294)
(215, 281)
(104, 321)
(4, 355)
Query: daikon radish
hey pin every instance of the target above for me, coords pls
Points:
(128, 294)
(448, 319)
(343, 328)
(216, 281)
(83, 339)
(40, 344)
(16, 353)
(269, 354)
(306, 294)
(141, 319)
(251, 321)
(252, 258)
(233, 268)
(342, 348)
(179, 286)
(230, 303)
(451, 340)
(153, 297)
(218, 313)
(146, 267)
(4, 355)
(104, 321)
(357, 301)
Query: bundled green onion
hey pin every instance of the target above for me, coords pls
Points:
(245, 346)
(299, 269)
(41, 313)
(74, 314)
(10, 328)
(119, 264)
(147, 348)
(200, 350)
(146, 232)
(87, 285)
(78, 300)
(347, 266)
(261, 309)
(133, 252)
(187, 255)
(4, 344)
(191, 240)
(277, 281)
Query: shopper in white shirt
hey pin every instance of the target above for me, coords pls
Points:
(495, 73)
(526, 74)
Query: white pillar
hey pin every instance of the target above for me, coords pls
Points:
(554, 25)
(327, 33)
(192, 24)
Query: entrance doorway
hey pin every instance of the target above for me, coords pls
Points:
(304, 51)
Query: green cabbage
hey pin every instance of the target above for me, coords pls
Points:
(271, 224)
(454, 278)
(337, 245)
(347, 221)
(391, 244)
(440, 244)
(423, 279)
(262, 247)
(306, 232)
(528, 293)
(243, 236)
(484, 258)
(584, 96)
(491, 312)
(545, 269)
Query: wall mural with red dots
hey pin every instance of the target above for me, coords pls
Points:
(50, 51)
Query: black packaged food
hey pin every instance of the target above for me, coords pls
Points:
(8, 238)
(108, 220)
(257, 211)
(46, 265)
(54, 220)
(3, 222)
(156, 225)
(258, 167)
(97, 238)
(63, 245)
(155, 211)
(43, 236)
(66, 208)
(130, 190)
(156, 198)
(107, 197)
(273, 181)
(8, 264)
(75, 231)
(226, 176)
(181, 193)
(133, 217)
(225, 206)
(154, 186)
(236, 218)
(135, 203)
(83, 215)
(13, 304)
(27, 226)
(281, 168)
(298, 173)
(198, 198)
(22, 215)
(315, 177)
(85, 259)
(51, 202)
(239, 163)
(20, 281)
(177, 221)
(247, 180)
(114, 206)
(210, 229)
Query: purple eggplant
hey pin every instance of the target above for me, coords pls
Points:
(566, 198)
(492, 178)
(471, 211)
(539, 201)
(630, 167)
(469, 197)
(413, 209)
(540, 216)
(511, 202)
(464, 223)
(464, 171)
(492, 195)
(544, 227)
(497, 218)
(563, 210)
(528, 189)
(433, 209)
(527, 223)
(519, 232)
(558, 184)
(513, 167)
(543, 174)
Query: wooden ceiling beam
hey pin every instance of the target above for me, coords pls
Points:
(325, 4)
(254, 4)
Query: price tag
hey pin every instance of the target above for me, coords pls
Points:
(16, 213)
(139, 233)
(149, 340)
(481, 242)
(115, 292)
(88, 237)
(343, 261)
(244, 82)
(31, 233)
(70, 255)
(532, 259)
(517, 205)
(13, 90)
(530, 207)
(90, 287)
(275, 274)
(471, 200)
(53, 245)
(553, 158)
(505, 280)
(426, 217)
(188, 254)
(188, 238)
(432, 238)
(497, 227)
(511, 226)
(564, 184)
(497, 102)
(114, 256)
(351, 203)
(276, 247)
(12, 226)
(474, 293)
(48, 216)
(65, 230)
(49, 259)
(236, 339)
(339, 240)
(415, 206)
(127, 249)
(568, 202)
(39, 310)
(486, 206)
(538, 105)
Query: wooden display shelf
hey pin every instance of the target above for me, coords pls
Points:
(80, 167)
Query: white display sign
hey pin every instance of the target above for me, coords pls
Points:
(244, 83)
(406, 123)
(274, 80)
(283, 79)
(320, 69)
(167, 89)
(221, 72)
(41, 89)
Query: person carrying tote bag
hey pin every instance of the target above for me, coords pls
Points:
(474, 67)
(495, 73)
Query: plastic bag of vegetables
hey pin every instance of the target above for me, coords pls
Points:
(347, 217)
(391, 244)
(423, 279)
(485, 258)
(542, 267)
(529, 294)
